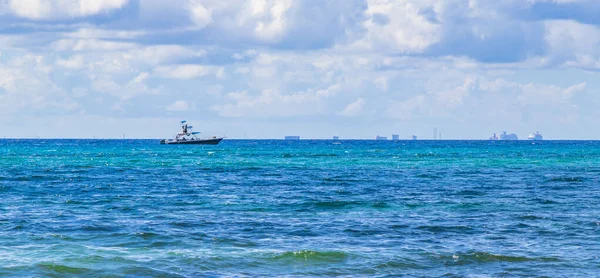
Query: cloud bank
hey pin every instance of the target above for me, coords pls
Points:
(353, 68)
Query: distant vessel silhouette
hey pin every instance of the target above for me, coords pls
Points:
(535, 136)
(510, 136)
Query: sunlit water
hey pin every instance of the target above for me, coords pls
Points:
(272, 208)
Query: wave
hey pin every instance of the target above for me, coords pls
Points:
(470, 193)
(530, 217)
(566, 179)
(60, 270)
(335, 204)
(313, 256)
(485, 257)
(445, 229)
(429, 176)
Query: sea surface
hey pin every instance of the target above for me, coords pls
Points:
(134, 208)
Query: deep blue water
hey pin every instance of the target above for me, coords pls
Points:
(134, 208)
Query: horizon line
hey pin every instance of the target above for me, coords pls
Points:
(283, 139)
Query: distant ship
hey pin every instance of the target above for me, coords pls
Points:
(494, 137)
(511, 136)
(535, 136)
(188, 137)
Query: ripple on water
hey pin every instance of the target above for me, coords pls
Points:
(264, 208)
(309, 256)
(565, 179)
(446, 229)
(485, 257)
(60, 270)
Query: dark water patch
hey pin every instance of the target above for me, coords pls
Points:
(14, 228)
(183, 224)
(322, 155)
(381, 205)
(235, 242)
(90, 259)
(162, 244)
(429, 176)
(426, 154)
(337, 204)
(471, 193)
(100, 228)
(148, 235)
(546, 201)
(362, 232)
(416, 205)
(140, 271)
(530, 217)
(309, 256)
(485, 257)
(521, 225)
(401, 264)
(35, 178)
(467, 173)
(62, 270)
(399, 226)
(445, 229)
(340, 179)
(565, 180)
(305, 232)
(466, 206)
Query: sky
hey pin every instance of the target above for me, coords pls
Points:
(312, 68)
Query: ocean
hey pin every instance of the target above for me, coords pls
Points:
(134, 208)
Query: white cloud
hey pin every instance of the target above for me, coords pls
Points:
(408, 109)
(42, 9)
(97, 33)
(273, 23)
(186, 71)
(180, 105)
(26, 88)
(274, 103)
(493, 100)
(398, 26)
(74, 62)
(200, 15)
(573, 44)
(158, 54)
(90, 45)
(354, 109)
(382, 83)
(456, 96)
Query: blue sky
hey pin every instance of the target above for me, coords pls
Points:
(313, 68)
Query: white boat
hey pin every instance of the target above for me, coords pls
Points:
(188, 137)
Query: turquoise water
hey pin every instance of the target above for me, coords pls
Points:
(134, 208)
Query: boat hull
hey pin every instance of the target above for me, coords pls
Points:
(210, 141)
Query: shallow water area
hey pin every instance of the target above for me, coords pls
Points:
(122, 208)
